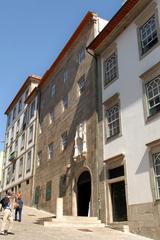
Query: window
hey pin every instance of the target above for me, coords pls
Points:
(153, 95)
(148, 35)
(48, 190)
(53, 90)
(116, 172)
(22, 141)
(112, 121)
(12, 134)
(8, 120)
(20, 106)
(25, 119)
(26, 94)
(30, 136)
(65, 76)
(28, 167)
(64, 138)
(32, 109)
(14, 113)
(82, 85)
(50, 151)
(65, 103)
(27, 181)
(156, 166)
(20, 167)
(8, 178)
(39, 158)
(10, 148)
(51, 117)
(110, 69)
(81, 56)
(7, 137)
(18, 126)
(16, 145)
(13, 172)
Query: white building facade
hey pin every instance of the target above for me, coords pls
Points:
(20, 140)
(128, 55)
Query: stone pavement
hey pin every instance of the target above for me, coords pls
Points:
(31, 228)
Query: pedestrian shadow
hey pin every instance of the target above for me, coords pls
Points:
(40, 221)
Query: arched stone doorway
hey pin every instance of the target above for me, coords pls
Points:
(83, 194)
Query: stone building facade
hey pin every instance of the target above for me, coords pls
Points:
(129, 101)
(67, 167)
(20, 137)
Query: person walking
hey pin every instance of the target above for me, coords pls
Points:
(7, 221)
(18, 209)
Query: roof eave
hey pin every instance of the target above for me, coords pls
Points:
(21, 91)
(89, 16)
(127, 13)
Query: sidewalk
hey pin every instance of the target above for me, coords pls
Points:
(31, 228)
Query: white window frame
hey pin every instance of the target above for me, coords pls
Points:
(18, 126)
(29, 161)
(32, 109)
(30, 134)
(147, 41)
(152, 88)
(112, 120)
(20, 170)
(12, 133)
(8, 119)
(110, 69)
(14, 113)
(20, 105)
(22, 141)
(26, 94)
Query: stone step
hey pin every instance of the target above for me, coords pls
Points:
(77, 225)
(70, 221)
(120, 226)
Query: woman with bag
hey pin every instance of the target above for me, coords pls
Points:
(18, 208)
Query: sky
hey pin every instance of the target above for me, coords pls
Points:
(32, 34)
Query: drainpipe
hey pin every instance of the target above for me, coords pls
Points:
(97, 95)
(35, 146)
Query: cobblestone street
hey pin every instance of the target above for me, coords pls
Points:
(31, 228)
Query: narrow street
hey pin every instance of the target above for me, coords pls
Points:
(31, 228)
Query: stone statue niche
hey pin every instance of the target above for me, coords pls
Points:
(80, 147)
